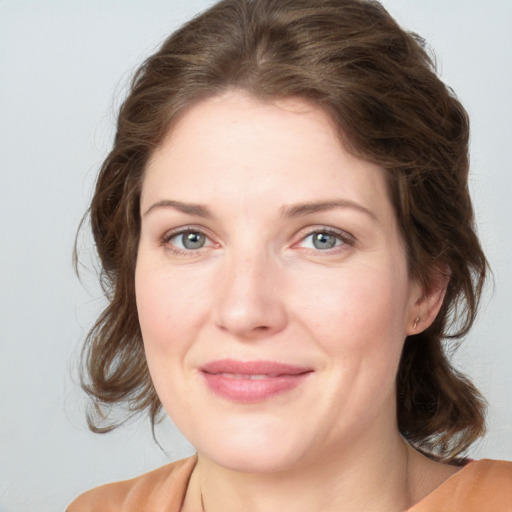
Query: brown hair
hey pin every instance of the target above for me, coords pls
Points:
(379, 85)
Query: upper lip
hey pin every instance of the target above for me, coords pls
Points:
(270, 368)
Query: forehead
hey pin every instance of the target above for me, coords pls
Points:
(234, 145)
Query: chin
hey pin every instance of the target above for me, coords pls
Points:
(264, 450)
(254, 459)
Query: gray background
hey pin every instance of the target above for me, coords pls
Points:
(64, 65)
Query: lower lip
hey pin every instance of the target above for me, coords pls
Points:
(252, 390)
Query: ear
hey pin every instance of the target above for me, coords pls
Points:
(426, 301)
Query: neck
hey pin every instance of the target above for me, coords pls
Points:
(365, 477)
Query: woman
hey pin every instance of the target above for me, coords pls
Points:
(287, 237)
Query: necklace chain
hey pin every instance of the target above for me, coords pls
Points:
(201, 487)
(202, 501)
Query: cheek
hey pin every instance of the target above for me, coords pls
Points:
(359, 304)
(359, 322)
(172, 307)
(166, 314)
(153, 308)
(156, 305)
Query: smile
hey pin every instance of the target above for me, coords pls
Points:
(252, 381)
(251, 377)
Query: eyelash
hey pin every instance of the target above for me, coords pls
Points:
(166, 239)
(345, 238)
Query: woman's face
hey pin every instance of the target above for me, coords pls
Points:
(272, 285)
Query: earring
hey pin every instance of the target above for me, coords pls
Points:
(416, 322)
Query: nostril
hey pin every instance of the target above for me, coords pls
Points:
(247, 307)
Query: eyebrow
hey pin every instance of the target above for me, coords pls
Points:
(289, 211)
(302, 209)
(198, 210)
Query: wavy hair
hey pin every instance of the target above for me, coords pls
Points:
(379, 85)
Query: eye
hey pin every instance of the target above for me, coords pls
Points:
(187, 240)
(325, 240)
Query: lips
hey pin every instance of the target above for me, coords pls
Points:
(252, 381)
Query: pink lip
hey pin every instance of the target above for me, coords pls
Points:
(235, 380)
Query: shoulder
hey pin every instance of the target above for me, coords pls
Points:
(480, 486)
(499, 470)
(161, 489)
(495, 476)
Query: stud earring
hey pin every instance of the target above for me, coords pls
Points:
(416, 322)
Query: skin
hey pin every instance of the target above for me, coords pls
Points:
(260, 289)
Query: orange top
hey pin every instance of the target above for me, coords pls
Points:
(480, 486)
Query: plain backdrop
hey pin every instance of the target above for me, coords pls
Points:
(64, 67)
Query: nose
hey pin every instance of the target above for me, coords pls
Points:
(250, 302)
